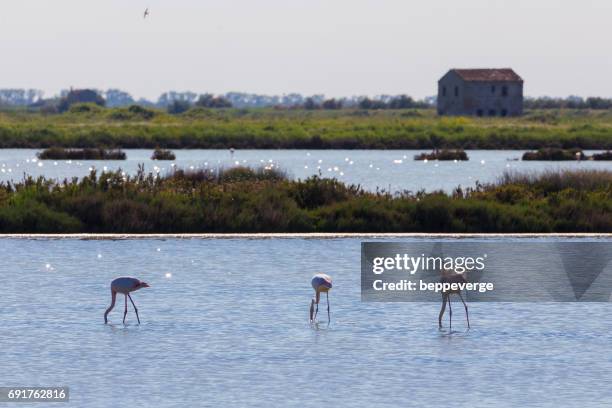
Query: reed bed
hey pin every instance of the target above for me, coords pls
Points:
(265, 200)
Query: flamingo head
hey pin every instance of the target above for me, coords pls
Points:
(143, 285)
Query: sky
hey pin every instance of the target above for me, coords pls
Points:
(331, 47)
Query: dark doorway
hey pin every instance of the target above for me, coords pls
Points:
(479, 113)
(492, 112)
(504, 112)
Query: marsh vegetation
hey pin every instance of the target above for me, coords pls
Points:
(444, 154)
(265, 200)
(163, 154)
(60, 153)
(93, 126)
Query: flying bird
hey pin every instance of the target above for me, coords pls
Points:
(320, 283)
(146, 13)
(124, 285)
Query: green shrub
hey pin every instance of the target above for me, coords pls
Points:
(265, 200)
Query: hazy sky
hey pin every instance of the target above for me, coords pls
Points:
(335, 47)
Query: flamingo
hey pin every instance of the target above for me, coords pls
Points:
(320, 283)
(125, 285)
(146, 13)
(452, 277)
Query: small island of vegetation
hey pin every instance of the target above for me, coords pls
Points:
(163, 154)
(603, 156)
(60, 153)
(555, 154)
(444, 154)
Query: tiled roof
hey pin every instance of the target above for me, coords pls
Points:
(495, 74)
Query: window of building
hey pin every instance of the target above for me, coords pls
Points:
(504, 112)
(443, 91)
(479, 113)
(456, 91)
(492, 112)
(504, 90)
(493, 89)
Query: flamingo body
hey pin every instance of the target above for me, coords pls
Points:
(124, 285)
(321, 282)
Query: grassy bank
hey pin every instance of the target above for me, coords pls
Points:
(92, 126)
(244, 200)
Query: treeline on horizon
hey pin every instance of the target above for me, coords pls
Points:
(265, 200)
(177, 102)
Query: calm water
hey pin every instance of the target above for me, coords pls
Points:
(229, 329)
(386, 169)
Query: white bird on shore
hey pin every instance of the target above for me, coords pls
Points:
(124, 285)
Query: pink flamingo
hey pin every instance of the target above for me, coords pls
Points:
(452, 277)
(320, 283)
(125, 285)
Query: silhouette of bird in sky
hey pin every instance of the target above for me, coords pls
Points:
(146, 13)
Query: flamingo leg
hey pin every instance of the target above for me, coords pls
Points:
(125, 310)
(317, 297)
(450, 315)
(135, 308)
(442, 311)
(467, 317)
(312, 302)
(328, 314)
(113, 297)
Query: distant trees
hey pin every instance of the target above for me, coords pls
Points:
(117, 97)
(20, 97)
(177, 101)
(80, 96)
(184, 103)
(332, 104)
(367, 103)
(394, 102)
(211, 101)
(168, 98)
(571, 102)
(310, 104)
(178, 106)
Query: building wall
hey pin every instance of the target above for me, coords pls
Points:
(450, 103)
(493, 99)
(479, 98)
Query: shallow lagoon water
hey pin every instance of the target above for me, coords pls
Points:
(229, 328)
(393, 170)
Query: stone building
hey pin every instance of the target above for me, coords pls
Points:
(480, 92)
